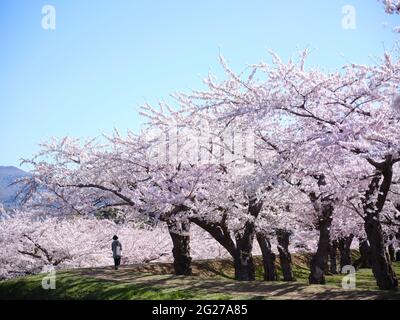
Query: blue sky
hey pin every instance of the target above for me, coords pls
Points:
(106, 58)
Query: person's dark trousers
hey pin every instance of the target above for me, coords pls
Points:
(117, 262)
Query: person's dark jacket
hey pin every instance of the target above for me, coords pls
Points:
(116, 252)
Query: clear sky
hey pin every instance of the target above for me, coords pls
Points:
(106, 58)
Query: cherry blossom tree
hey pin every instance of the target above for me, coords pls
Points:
(31, 242)
(83, 179)
(391, 6)
(229, 215)
(322, 158)
(345, 115)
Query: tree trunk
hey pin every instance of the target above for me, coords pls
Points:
(344, 250)
(365, 255)
(397, 253)
(268, 257)
(243, 257)
(244, 266)
(381, 267)
(392, 252)
(241, 249)
(320, 258)
(332, 256)
(391, 249)
(285, 258)
(179, 232)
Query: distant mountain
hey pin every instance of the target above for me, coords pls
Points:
(7, 176)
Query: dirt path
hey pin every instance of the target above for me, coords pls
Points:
(253, 289)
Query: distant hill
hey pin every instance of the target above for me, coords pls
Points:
(7, 176)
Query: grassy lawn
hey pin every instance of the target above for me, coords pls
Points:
(212, 280)
(70, 286)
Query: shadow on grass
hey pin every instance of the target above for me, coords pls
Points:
(87, 288)
(128, 283)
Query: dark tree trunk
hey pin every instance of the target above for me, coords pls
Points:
(268, 257)
(320, 259)
(179, 232)
(241, 249)
(285, 258)
(243, 257)
(241, 252)
(344, 250)
(391, 249)
(381, 266)
(244, 266)
(332, 256)
(392, 252)
(397, 253)
(365, 255)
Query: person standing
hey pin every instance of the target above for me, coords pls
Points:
(117, 252)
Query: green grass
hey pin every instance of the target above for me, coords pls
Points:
(364, 277)
(77, 287)
(213, 282)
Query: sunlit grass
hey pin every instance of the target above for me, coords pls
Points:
(69, 286)
(77, 285)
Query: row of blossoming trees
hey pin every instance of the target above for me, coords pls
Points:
(32, 243)
(278, 151)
